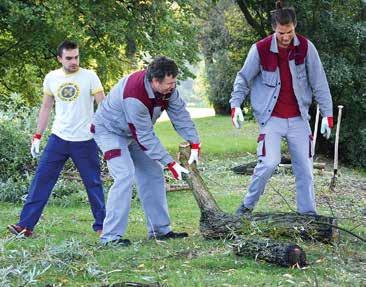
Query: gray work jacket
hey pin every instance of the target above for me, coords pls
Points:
(308, 79)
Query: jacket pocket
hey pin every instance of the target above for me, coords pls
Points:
(301, 72)
(269, 79)
(261, 147)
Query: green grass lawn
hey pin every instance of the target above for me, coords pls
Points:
(217, 135)
(65, 251)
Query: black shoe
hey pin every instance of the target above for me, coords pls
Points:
(118, 242)
(169, 235)
(243, 210)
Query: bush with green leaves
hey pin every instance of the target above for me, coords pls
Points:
(16, 126)
(14, 149)
(17, 167)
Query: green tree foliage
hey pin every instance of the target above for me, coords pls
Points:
(339, 32)
(337, 28)
(115, 37)
(225, 41)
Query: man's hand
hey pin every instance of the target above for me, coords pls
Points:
(326, 126)
(36, 141)
(176, 169)
(195, 153)
(237, 117)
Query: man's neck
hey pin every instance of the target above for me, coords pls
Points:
(69, 72)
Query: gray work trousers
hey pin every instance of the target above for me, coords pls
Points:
(298, 134)
(129, 165)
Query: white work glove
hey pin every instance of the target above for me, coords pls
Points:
(36, 141)
(176, 169)
(326, 127)
(195, 153)
(236, 114)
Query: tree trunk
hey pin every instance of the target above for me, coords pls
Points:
(215, 223)
(283, 254)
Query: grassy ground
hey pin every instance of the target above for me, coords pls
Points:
(218, 137)
(65, 252)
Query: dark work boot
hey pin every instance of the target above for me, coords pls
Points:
(118, 242)
(169, 235)
(243, 210)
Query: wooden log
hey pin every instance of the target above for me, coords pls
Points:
(290, 224)
(176, 187)
(316, 165)
(215, 223)
(248, 168)
(286, 255)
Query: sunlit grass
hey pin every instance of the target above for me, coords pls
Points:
(66, 252)
(218, 137)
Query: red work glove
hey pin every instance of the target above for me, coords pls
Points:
(326, 126)
(237, 117)
(176, 169)
(36, 141)
(195, 153)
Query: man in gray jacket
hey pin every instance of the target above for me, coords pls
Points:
(281, 73)
(123, 128)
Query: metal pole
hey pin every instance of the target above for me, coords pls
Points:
(335, 169)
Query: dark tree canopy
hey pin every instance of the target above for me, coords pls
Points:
(115, 37)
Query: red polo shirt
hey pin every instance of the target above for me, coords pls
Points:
(286, 106)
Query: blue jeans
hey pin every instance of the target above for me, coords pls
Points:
(84, 154)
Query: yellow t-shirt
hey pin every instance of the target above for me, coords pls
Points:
(74, 102)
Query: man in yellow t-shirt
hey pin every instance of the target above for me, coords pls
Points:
(73, 90)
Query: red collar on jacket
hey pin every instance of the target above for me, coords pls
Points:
(268, 51)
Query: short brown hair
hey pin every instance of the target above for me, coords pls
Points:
(66, 45)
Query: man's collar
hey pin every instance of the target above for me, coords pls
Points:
(274, 47)
(148, 88)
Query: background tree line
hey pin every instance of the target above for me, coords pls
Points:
(118, 36)
(337, 28)
(115, 37)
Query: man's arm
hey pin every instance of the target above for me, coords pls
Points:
(319, 85)
(181, 120)
(99, 97)
(244, 77)
(44, 113)
(142, 129)
(318, 81)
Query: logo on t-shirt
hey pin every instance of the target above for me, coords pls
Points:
(68, 91)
